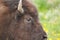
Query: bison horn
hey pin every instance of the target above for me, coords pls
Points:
(20, 9)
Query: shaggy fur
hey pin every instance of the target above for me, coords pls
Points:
(17, 26)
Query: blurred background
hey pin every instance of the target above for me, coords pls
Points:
(49, 15)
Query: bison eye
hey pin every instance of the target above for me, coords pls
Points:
(28, 20)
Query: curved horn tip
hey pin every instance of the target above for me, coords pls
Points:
(21, 10)
(20, 7)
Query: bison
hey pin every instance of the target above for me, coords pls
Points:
(19, 21)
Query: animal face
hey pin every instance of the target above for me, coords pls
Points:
(19, 22)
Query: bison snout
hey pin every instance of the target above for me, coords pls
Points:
(44, 37)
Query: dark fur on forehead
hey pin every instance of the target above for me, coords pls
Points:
(12, 4)
(28, 7)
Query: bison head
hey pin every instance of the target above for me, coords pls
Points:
(19, 21)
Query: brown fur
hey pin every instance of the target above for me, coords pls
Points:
(17, 26)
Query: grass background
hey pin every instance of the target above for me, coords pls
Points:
(49, 15)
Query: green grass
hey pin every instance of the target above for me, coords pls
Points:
(49, 15)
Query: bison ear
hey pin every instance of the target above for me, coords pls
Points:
(20, 9)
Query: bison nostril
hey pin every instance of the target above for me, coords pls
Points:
(44, 36)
